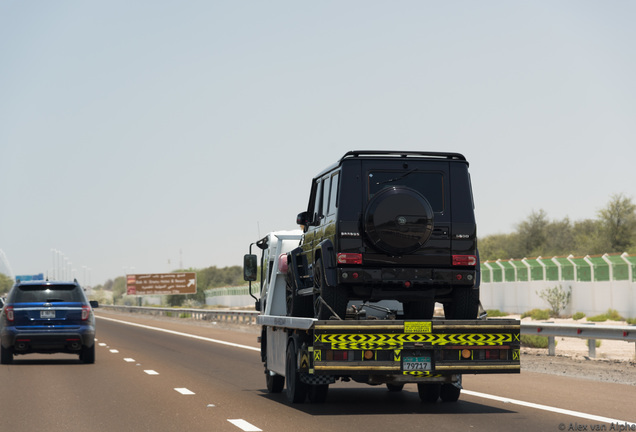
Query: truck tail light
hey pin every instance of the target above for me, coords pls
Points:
(464, 260)
(8, 311)
(349, 258)
(86, 312)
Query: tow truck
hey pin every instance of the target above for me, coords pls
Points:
(373, 344)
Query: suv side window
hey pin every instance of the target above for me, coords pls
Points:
(316, 210)
(325, 196)
(333, 196)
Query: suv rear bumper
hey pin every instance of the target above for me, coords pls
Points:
(48, 341)
(403, 283)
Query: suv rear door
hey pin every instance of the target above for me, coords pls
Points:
(48, 306)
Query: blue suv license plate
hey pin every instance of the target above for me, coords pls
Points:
(47, 314)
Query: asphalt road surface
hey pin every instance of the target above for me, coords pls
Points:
(154, 375)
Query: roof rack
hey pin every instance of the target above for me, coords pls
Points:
(404, 154)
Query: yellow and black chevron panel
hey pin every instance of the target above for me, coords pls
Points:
(317, 355)
(397, 340)
(420, 374)
(515, 354)
(397, 355)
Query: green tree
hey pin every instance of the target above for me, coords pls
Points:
(532, 233)
(5, 284)
(618, 220)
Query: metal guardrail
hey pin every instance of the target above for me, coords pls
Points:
(591, 332)
(226, 316)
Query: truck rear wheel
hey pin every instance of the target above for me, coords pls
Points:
(318, 393)
(449, 393)
(296, 390)
(275, 383)
(335, 297)
(429, 393)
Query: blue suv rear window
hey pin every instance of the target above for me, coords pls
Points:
(44, 293)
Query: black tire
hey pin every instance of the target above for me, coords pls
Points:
(297, 306)
(464, 304)
(394, 388)
(335, 297)
(275, 383)
(449, 393)
(6, 355)
(420, 309)
(318, 393)
(429, 393)
(295, 389)
(398, 220)
(87, 355)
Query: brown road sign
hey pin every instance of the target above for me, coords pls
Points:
(161, 283)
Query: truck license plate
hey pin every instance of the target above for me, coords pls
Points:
(47, 314)
(416, 363)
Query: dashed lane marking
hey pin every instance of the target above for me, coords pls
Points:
(184, 391)
(242, 424)
(151, 372)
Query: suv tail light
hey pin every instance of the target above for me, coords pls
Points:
(349, 258)
(9, 313)
(86, 312)
(464, 260)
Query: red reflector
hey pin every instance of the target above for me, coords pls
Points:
(355, 275)
(458, 277)
(407, 284)
(349, 258)
(464, 260)
(340, 355)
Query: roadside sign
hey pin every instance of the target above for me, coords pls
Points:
(35, 277)
(161, 283)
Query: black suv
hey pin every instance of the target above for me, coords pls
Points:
(47, 317)
(388, 225)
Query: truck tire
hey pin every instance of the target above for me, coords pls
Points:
(297, 306)
(335, 297)
(296, 390)
(275, 383)
(464, 304)
(6, 356)
(420, 309)
(318, 393)
(87, 355)
(429, 393)
(449, 393)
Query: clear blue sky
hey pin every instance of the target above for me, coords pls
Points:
(131, 131)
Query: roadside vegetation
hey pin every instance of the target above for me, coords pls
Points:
(613, 230)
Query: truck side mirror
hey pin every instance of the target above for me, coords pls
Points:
(302, 218)
(250, 267)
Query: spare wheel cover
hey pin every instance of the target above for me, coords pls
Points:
(398, 220)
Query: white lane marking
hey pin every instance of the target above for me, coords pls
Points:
(247, 427)
(151, 372)
(183, 334)
(114, 351)
(129, 360)
(551, 409)
(184, 391)
(102, 344)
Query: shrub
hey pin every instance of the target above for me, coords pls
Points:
(613, 315)
(631, 321)
(537, 314)
(534, 341)
(496, 313)
(577, 316)
(557, 298)
(598, 318)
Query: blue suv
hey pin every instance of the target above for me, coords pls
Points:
(47, 317)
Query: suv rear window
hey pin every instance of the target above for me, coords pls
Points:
(429, 184)
(47, 293)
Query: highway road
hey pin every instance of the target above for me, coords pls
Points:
(165, 375)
